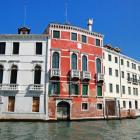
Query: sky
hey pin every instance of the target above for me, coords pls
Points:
(117, 20)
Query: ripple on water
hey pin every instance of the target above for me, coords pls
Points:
(82, 130)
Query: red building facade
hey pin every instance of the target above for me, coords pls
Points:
(76, 75)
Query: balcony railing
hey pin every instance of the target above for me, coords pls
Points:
(54, 73)
(135, 81)
(86, 75)
(100, 77)
(9, 87)
(36, 87)
(75, 74)
(129, 80)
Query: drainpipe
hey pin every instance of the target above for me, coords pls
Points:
(120, 86)
(47, 66)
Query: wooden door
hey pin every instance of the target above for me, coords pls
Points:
(11, 103)
(110, 108)
(35, 105)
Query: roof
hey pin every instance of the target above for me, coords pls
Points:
(74, 28)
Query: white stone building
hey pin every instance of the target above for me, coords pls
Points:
(122, 82)
(23, 75)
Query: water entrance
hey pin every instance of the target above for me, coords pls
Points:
(63, 110)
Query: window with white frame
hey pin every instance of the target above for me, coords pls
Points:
(74, 61)
(84, 106)
(55, 60)
(84, 63)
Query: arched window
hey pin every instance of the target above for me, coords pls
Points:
(1, 74)
(84, 63)
(13, 79)
(74, 61)
(98, 65)
(37, 75)
(55, 60)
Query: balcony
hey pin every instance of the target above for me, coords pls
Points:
(135, 81)
(36, 87)
(54, 73)
(75, 74)
(129, 80)
(100, 77)
(9, 87)
(86, 75)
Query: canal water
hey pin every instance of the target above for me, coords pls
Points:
(82, 130)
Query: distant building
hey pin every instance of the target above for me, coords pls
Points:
(22, 75)
(122, 83)
(76, 74)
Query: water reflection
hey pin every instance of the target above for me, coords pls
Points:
(83, 130)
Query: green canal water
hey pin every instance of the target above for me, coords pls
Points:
(83, 130)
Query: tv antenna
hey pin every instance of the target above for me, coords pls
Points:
(66, 12)
(25, 12)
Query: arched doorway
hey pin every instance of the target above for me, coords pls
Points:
(63, 110)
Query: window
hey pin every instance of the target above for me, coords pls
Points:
(122, 62)
(98, 42)
(38, 47)
(133, 66)
(74, 89)
(99, 90)
(13, 79)
(136, 104)
(84, 63)
(85, 90)
(37, 75)
(124, 104)
(1, 74)
(110, 88)
(117, 88)
(55, 60)
(130, 104)
(123, 89)
(35, 104)
(139, 68)
(99, 106)
(122, 74)
(128, 77)
(129, 90)
(116, 59)
(74, 36)
(109, 58)
(103, 56)
(84, 106)
(84, 39)
(98, 65)
(136, 91)
(116, 73)
(54, 88)
(74, 61)
(110, 71)
(16, 48)
(128, 64)
(2, 47)
(11, 103)
(56, 34)
(104, 69)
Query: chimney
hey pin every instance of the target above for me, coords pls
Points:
(89, 24)
(24, 30)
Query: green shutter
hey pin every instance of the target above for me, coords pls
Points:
(50, 88)
(99, 90)
(76, 89)
(84, 90)
(69, 88)
(58, 87)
